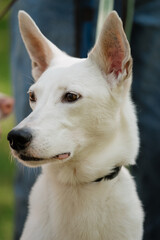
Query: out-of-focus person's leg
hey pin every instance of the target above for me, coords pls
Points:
(86, 23)
(55, 18)
(145, 45)
(70, 24)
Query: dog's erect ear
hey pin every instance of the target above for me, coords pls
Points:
(111, 51)
(38, 46)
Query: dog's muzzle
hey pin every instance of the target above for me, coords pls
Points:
(19, 139)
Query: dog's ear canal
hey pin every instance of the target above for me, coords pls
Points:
(37, 45)
(111, 51)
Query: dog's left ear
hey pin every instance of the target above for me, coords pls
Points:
(111, 51)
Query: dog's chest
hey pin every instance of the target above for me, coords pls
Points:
(80, 213)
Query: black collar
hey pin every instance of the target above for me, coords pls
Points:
(110, 176)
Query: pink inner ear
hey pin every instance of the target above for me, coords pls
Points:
(115, 57)
(115, 52)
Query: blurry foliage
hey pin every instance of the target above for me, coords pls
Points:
(6, 166)
(4, 56)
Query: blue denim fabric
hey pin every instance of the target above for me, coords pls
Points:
(147, 12)
(88, 26)
(145, 45)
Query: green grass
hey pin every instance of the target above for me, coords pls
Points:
(6, 166)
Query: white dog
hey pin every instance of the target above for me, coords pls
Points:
(83, 132)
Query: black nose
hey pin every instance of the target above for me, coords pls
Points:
(19, 139)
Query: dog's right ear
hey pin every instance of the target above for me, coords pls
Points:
(40, 49)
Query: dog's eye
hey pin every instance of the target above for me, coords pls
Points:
(71, 97)
(32, 96)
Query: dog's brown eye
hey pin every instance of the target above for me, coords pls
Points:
(32, 97)
(71, 97)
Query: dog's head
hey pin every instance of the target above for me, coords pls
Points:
(82, 113)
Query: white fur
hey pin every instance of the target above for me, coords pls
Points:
(100, 132)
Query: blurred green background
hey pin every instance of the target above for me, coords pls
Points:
(6, 165)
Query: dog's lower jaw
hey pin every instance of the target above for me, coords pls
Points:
(61, 156)
(32, 161)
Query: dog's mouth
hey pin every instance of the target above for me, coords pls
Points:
(61, 156)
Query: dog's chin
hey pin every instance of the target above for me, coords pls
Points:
(32, 161)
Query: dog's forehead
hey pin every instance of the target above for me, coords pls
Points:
(79, 74)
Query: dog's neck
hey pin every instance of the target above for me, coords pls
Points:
(73, 175)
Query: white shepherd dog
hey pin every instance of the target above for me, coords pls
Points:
(83, 132)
